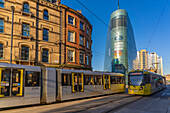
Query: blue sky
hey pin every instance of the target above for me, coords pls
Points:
(144, 15)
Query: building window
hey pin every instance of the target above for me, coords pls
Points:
(87, 31)
(70, 56)
(70, 36)
(81, 40)
(2, 3)
(1, 51)
(81, 58)
(45, 34)
(71, 20)
(26, 8)
(25, 53)
(81, 25)
(26, 30)
(45, 55)
(119, 21)
(46, 16)
(1, 25)
(87, 44)
(87, 60)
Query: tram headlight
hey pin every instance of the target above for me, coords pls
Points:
(141, 88)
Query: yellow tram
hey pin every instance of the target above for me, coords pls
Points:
(142, 82)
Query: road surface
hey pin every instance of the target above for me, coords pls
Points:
(156, 103)
(116, 103)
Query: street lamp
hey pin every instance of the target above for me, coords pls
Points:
(13, 9)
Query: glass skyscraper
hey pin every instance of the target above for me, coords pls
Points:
(120, 45)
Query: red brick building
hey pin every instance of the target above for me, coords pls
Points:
(77, 35)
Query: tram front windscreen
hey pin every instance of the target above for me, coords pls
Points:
(135, 78)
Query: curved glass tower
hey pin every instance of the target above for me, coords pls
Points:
(120, 45)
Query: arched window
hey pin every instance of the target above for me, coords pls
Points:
(26, 8)
(45, 55)
(46, 16)
(2, 3)
(1, 51)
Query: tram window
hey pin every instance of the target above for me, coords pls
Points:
(164, 81)
(97, 80)
(146, 79)
(32, 78)
(5, 81)
(119, 80)
(160, 81)
(89, 80)
(113, 80)
(16, 77)
(123, 80)
(66, 80)
(6, 75)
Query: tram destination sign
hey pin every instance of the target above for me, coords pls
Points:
(136, 73)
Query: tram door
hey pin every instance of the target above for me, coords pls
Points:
(77, 82)
(5, 82)
(106, 81)
(14, 89)
(17, 82)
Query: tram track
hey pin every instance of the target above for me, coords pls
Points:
(155, 103)
(117, 100)
(98, 104)
(123, 105)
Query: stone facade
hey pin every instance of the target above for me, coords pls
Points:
(55, 24)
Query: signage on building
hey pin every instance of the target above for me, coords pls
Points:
(118, 46)
(119, 53)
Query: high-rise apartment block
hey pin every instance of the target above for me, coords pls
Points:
(144, 59)
(136, 62)
(160, 65)
(147, 61)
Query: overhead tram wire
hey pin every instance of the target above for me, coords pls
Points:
(105, 25)
(96, 17)
(103, 22)
(118, 34)
(156, 25)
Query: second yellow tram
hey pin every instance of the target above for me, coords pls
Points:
(142, 82)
